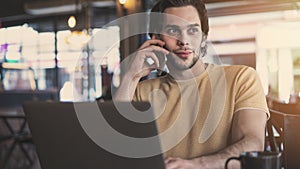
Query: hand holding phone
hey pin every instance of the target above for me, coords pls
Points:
(161, 57)
(162, 62)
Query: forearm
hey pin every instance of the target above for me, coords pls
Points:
(126, 89)
(217, 160)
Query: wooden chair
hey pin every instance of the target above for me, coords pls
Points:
(17, 137)
(283, 135)
(289, 108)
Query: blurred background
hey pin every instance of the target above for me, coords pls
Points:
(46, 43)
(59, 50)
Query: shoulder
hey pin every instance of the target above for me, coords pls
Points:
(239, 70)
(230, 68)
(234, 71)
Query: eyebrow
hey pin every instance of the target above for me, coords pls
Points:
(172, 26)
(176, 26)
(194, 25)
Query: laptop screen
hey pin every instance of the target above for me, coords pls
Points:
(94, 135)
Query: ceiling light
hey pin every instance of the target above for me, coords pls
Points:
(72, 21)
(122, 2)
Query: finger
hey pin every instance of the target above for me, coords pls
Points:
(154, 36)
(170, 160)
(173, 164)
(144, 72)
(156, 48)
(152, 42)
(154, 58)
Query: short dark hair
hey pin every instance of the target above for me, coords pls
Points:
(162, 5)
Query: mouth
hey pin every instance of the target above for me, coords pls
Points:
(184, 54)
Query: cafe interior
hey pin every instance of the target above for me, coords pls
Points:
(70, 50)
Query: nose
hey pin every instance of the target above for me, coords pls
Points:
(183, 40)
(180, 43)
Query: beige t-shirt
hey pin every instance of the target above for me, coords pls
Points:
(194, 117)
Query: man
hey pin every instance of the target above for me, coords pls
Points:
(220, 110)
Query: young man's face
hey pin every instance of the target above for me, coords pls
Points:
(183, 36)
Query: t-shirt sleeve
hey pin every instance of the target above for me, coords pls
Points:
(249, 91)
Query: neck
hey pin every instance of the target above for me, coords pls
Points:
(197, 69)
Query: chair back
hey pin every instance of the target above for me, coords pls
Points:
(289, 108)
(284, 136)
(292, 140)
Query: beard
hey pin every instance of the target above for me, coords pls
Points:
(180, 64)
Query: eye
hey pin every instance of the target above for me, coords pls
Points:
(173, 31)
(193, 30)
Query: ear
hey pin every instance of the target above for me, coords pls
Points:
(203, 43)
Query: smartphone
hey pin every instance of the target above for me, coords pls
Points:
(162, 59)
(162, 62)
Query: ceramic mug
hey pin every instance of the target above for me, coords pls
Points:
(258, 160)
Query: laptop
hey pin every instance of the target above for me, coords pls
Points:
(94, 135)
